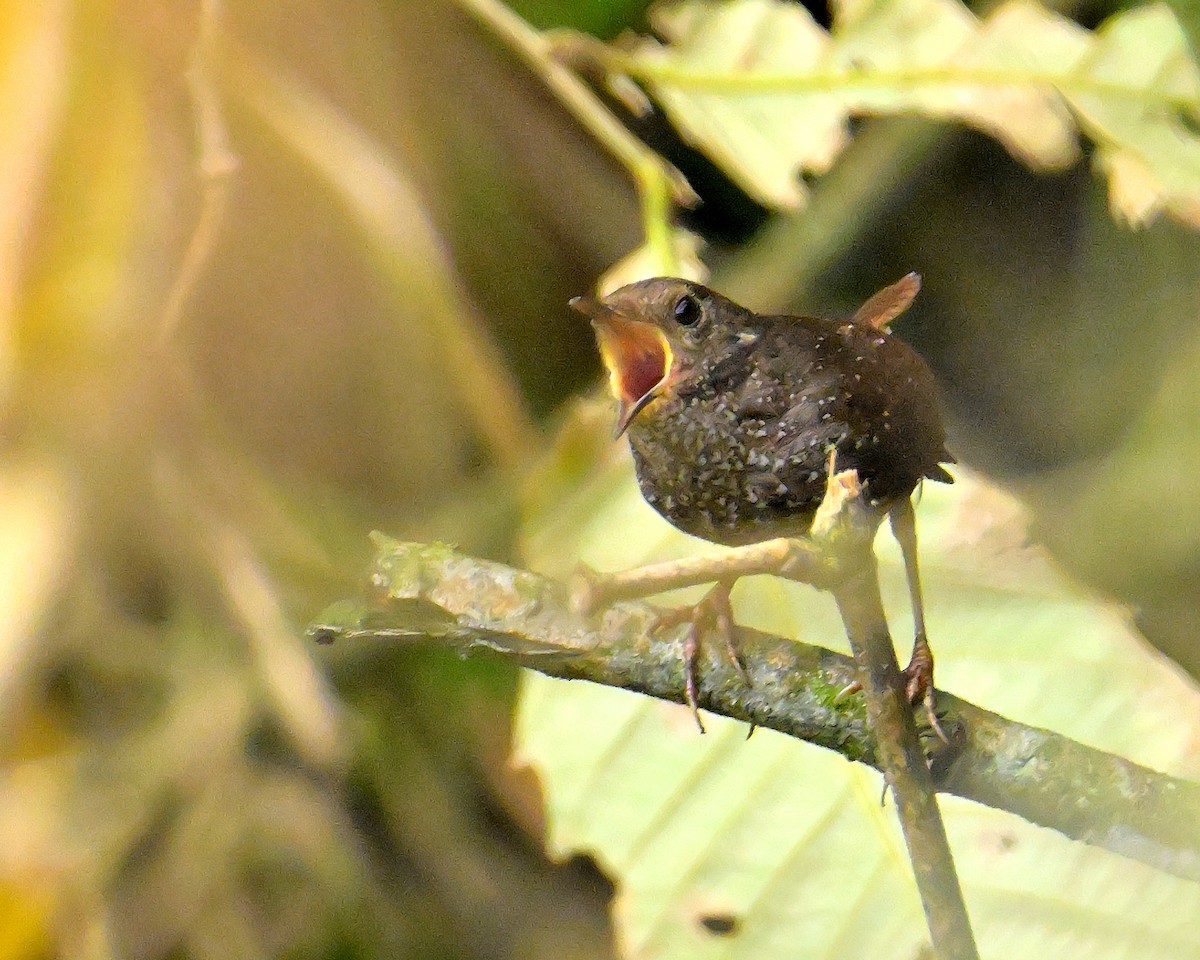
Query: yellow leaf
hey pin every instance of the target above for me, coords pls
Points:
(768, 94)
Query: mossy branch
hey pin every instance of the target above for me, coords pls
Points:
(429, 592)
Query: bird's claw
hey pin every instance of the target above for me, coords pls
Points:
(716, 609)
(918, 684)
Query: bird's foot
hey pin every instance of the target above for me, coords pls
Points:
(918, 684)
(716, 610)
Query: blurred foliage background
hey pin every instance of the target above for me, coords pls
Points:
(274, 275)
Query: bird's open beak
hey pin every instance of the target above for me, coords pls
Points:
(636, 355)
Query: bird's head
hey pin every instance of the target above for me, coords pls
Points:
(653, 335)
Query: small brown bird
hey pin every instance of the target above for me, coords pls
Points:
(733, 417)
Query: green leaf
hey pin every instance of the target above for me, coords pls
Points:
(768, 93)
(773, 848)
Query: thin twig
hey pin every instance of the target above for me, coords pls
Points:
(427, 592)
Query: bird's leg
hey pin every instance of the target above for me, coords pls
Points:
(591, 590)
(918, 674)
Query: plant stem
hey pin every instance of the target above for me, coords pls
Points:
(899, 753)
(658, 182)
(874, 80)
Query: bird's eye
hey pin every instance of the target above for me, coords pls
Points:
(687, 310)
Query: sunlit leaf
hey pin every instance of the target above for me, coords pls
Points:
(768, 93)
(773, 848)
